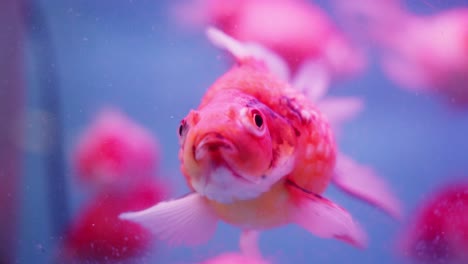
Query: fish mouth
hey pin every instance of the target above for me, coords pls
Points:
(214, 146)
(213, 143)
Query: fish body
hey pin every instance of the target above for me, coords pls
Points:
(297, 129)
(269, 210)
(258, 154)
(300, 145)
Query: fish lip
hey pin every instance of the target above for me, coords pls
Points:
(237, 175)
(217, 141)
(211, 142)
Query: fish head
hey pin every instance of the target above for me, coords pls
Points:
(227, 149)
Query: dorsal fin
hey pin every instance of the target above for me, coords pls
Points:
(243, 51)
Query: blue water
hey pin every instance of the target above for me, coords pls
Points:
(129, 54)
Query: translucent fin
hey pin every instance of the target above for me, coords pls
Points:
(405, 72)
(241, 51)
(338, 110)
(325, 219)
(185, 221)
(312, 79)
(190, 14)
(362, 182)
(248, 243)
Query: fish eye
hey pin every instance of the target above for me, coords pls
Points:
(258, 119)
(253, 120)
(182, 128)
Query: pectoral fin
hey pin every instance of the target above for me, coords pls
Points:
(363, 182)
(323, 218)
(185, 221)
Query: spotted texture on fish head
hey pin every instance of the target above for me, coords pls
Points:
(315, 149)
(227, 150)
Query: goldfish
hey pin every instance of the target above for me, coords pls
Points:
(296, 30)
(438, 232)
(419, 53)
(258, 154)
(97, 234)
(114, 151)
(117, 158)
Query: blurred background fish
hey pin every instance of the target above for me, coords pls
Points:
(418, 52)
(97, 235)
(297, 30)
(438, 232)
(116, 161)
(114, 153)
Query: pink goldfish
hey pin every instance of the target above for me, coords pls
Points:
(99, 235)
(297, 30)
(421, 53)
(114, 151)
(258, 154)
(439, 232)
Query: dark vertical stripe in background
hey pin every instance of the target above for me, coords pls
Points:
(54, 157)
(11, 120)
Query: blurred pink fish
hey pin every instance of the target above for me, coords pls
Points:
(258, 154)
(439, 232)
(422, 53)
(98, 235)
(297, 30)
(431, 53)
(118, 158)
(115, 152)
